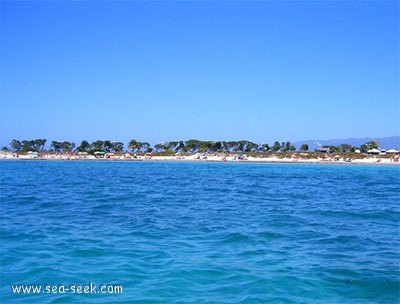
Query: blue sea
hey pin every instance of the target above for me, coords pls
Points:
(200, 232)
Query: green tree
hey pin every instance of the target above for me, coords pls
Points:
(234, 146)
(251, 147)
(15, 145)
(224, 146)
(265, 147)
(28, 145)
(39, 144)
(286, 146)
(117, 146)
(368, 146)
(304, 147)
(145, 146)
(172, 146)
(345, 147)
(203, 146)
(67, 146)
(159, 147)
(56, 146)
(107, 145)
(181, 146)
(333, 149)
(84, 146)
(221, 146)
(276, 147)
(241, 144)
(134, 145)
(211, 147)
(97, 145)
(192, 145)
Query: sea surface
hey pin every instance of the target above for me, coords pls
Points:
(201, 232)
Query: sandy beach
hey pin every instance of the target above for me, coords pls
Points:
(210, 157)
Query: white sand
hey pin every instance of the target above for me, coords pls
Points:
(214, 157)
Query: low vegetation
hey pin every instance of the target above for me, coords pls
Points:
(278, 149)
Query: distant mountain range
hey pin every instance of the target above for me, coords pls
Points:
(391, 142)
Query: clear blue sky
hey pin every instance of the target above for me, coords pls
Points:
(215, 70)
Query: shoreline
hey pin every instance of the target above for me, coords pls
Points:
(197, 157)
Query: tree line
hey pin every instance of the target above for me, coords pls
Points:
(189, 146)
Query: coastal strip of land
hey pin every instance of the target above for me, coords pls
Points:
(293, 157)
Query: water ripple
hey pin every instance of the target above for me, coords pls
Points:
(201, 232)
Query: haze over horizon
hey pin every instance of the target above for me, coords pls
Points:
(163, 71)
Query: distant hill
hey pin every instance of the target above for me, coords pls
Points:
(391, 142)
